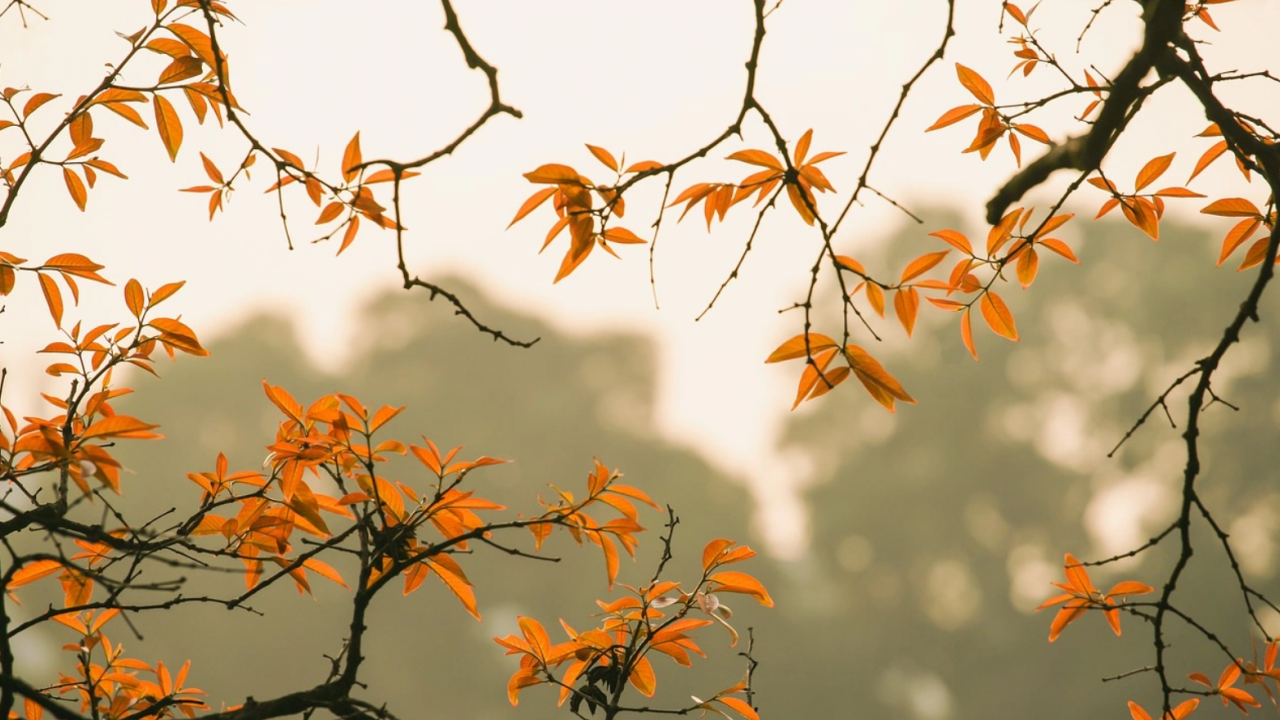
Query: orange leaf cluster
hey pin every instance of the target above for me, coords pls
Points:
(1143, 210)
(607, 658)
(1081, 596)
(817, 380)
(993, 125)
(800, 177)
(583, 207)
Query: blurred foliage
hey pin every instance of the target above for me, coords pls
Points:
(938, 529)
(933, 531)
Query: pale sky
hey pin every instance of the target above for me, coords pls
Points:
(655, 79)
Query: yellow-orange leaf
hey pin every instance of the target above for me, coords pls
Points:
(180, 69)
(738, 582)
(954, 239)
(643, 165)
(998, 317)
(974, 83)
(324, 570)
(196, 40)
(739, 706)
(76, 187)
(536, 636)
(330, 212)
(33, 571)
(120, 426)
(1059, 247)
(448, 570)
(1231, 207)
(966, 334)
(1238, 235)
(1152, 170)
(795, 347)
(211, 170)
(351, 157)
(165, 291)
(906, 302)
(1033, 132)
(1207, 158)
(554, 173)
(604, 156)
(879, 383)
(814, 373)
(875, 295)
(52, 297)
(35, 101)
(133, 297)
(1028, 264)
(757, 157)
(643, 678)
(169, 127)
(922, 265)
(623, 235)
(954, 115)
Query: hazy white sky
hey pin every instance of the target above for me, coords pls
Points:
(655, 79)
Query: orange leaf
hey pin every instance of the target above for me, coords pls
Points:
(813, 374)
(1208, 157)
(351, 157)
(739, 706)
(1028, 264)
(954, 239)
(532, 203)
(76, 187)
(35, 102)
(169, 127)
(1231, 207)
(604, 156)
(795, 347)
(906, 302)
(349, 236)
(120, 426)
(448, 570)
(879, 383)
(922, 264)
(644, 165)
(554, 173)
(52, 297)
(330, 213)
(738, 582)
(33, 571)
(1033, 132)
(642, 677)
(180, 69)
(954, 115)
(998, 317)
(713, 551)
(974, 83)
(623, 235)
(536, 636)
(1238, 236)
(196, 40)
(757, 157)
(875, 295)
(966, 334)
(211, 170)
(133, 297)
(324, 570)
(1152, 170)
